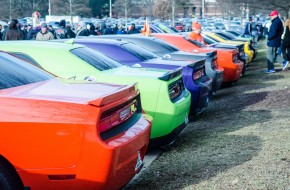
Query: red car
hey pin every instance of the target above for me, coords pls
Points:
(226, 58)
(67, 135)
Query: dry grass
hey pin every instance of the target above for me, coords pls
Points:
(241, 141)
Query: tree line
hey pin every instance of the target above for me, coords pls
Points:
(126, 8)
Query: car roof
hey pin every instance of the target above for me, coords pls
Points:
(40, 44)
(100, 40)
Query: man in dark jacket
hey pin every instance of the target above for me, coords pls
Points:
(274, 41)
(82, 29)
(133, 29)
(0, 32)
(248, 29)
(63, 32)
(13, 33)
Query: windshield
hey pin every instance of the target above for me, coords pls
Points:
(165, 28)
(196, 43)
(209, 40)
(139, 52)
(225, 36)
(97, 60)
(222, 37)
(15, 72)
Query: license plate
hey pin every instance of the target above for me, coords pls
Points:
(186, 119)
(125, 113)
(139, 162)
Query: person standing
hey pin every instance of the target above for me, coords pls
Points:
(13, 33)
(44, 34)
(274, 41)
(1, 32)
(286, 44)
(120, 30)
(248, 28)
(133, 30)
(82, 29)
(195, 34)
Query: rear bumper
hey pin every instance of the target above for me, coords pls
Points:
(215, 74)
(200, 95)
(169, 116)
(108, 165)
(167, 139)
(234, 71)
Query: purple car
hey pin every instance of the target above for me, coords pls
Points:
(193, 72)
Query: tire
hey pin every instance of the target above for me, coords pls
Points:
(244, 69)
(9, 179)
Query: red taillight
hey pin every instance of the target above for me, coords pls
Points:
(117, 116)
(235, 57)
(198, 74)
(175, 89)
(214, 64)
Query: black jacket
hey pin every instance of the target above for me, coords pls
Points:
(275, 33)
(286, 41)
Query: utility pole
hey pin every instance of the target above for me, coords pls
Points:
(203, 8)
(110, 4)
(173, 12)
(10, 9)
(70, 12)
(49, 8)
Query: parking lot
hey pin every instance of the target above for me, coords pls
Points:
(241, 141)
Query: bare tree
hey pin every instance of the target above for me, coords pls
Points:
(283, 6)
(124, 6)
(71, 7)
(162, 9)
(147, 7)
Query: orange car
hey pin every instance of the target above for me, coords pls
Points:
(67, 135)
(226, 58)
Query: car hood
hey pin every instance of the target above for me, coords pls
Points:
(61, 90)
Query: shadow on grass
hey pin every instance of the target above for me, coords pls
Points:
(198, 162)
(205, 149)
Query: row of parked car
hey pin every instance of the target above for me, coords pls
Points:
(81, 113)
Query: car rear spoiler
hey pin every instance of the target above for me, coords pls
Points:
(171, 74)
(197, 64)
(123, 92)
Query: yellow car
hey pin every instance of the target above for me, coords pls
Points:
(247, 49)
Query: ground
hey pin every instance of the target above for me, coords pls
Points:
(241, 141)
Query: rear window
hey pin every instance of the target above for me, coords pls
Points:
(139, 52)
(97, 60)
(222, 37)
(165, 46)
(196, 43)
(225, 36)
(15, 72)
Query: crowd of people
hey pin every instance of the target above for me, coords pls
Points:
(46, 32)
(278, 35)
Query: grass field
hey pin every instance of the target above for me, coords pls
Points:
(241, 141)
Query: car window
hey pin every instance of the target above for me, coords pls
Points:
(25, 57)
(170, 48)
(16, 72)
(97, 60)
(113, 51)
(225, 36)
(222, 37)
(139, 52)
(196, 43)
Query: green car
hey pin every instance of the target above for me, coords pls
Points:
(163, 95)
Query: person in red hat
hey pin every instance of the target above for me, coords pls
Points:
(274, 41)
(195, 34)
